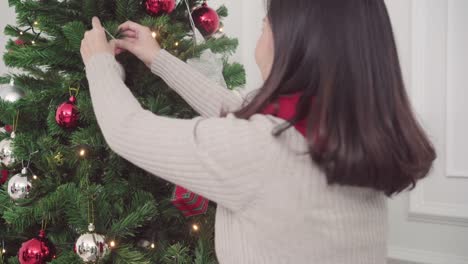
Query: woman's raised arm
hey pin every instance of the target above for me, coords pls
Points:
(204, 95)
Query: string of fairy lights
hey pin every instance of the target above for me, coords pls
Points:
(35, 23)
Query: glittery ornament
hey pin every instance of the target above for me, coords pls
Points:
(38, 250)
(6, 152)
(159, 7)
(206, 20)
(19, 186)
(58, 158)
(91, 247)
(11, 92)
(67, 114)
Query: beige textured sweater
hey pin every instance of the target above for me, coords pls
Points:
(274, 205)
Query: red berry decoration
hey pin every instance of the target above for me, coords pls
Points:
(19, 42)
(67, 114)
(159, 7)
(206, 20)
(38, 250)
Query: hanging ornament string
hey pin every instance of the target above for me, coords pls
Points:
(15, 124)
(192, 23)
(90, 211)
(108, 33)
(29, 160)
(72, 90)
(30, 156)
(44, 223)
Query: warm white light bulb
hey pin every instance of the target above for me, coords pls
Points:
(35, 177)
(82, 152)
(33, 42)
(36, 23)
(154, 34)
(3, 251)
(112, 243)
(21, 33)
(152, 245)
(221, 29)
(177, 44)
(195, 227)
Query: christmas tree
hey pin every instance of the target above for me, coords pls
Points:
(58, 174)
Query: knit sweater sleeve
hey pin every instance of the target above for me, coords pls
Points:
(222, 159)
(205, 96)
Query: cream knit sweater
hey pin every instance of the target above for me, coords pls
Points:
(274, 204)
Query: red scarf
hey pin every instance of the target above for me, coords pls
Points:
(285, 108)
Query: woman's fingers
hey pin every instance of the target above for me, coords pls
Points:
(116, 48)
(138, 40)
(117, 51)
(130, 25)
(96, 23)
(125, 44)
(129, 34)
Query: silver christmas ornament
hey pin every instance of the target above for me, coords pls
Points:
(11, 92)
(6, 152)
(91, 247)
(19, 186)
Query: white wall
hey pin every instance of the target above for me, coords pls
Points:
(431, 224)
(245, 23)
(7, 16)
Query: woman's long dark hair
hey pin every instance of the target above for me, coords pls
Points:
(361, 128)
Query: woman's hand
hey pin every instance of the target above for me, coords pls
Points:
(138, 40)
(95, 42)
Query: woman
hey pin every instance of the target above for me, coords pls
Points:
(311, 191)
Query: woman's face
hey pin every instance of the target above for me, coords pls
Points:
(264, 53)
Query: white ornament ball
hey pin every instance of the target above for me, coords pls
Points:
(91, 247)
(11, 92)
(6, 152)
(19, 186)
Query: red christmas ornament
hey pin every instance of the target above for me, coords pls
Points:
(67, 114)
(159, 7)
(38, 250)
(4, 176)
(189, 203)
(206, 20)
